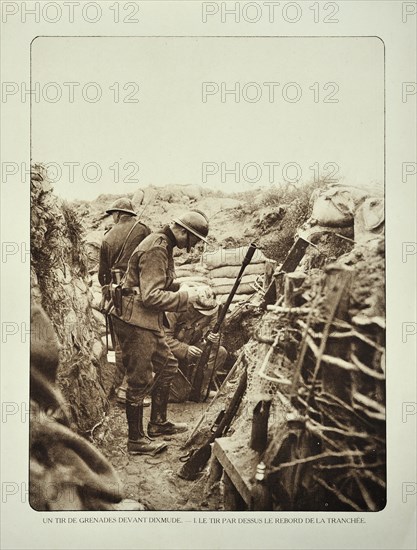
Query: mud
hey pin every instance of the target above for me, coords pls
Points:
(153, 481)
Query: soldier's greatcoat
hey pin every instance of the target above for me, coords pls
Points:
(147, 294)
(148, 284)
(113, 242)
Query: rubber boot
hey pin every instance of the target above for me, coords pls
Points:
(138, 443)
(159, 425)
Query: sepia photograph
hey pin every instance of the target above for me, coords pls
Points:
(207, 274)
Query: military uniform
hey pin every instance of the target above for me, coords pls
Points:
(147, 294)
(111, 246)
(113, 242)
(187, 329)
(139, 318)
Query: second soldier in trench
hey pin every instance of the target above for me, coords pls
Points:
(116, 248)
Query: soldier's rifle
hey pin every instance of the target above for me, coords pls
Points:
(196, 394)
(105, 307)
(198, 458)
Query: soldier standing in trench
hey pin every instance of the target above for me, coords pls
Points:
(116, 248)
(147, 293)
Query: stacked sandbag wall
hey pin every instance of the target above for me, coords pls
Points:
(220, 269)
(224, 265)
(191, 274)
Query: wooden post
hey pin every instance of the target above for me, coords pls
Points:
(215, 472)
(334, 381)
(292, 284)
(231, 497)
(292, 260)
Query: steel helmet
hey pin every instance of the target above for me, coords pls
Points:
(206, 302)
(195, 222)
(122, 205)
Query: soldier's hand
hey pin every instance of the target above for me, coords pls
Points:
(213, 337)
(193, 352)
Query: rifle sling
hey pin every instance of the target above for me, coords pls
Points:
(124, 243)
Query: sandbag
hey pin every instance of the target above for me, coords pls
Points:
(92, 250)
(237, 298)
(190, 269)
(369, 219)
(193, 279)
(223, 257)
(233, 270)
(169, 194)
(334, 207)
(226, 281)
(184, 273)
(95, 289)
(192, 191)
(241, 289)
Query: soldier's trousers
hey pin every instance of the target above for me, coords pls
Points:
(120, 368)
(144, 352)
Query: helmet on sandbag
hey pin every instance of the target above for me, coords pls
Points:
(122, 205)
(195, 222)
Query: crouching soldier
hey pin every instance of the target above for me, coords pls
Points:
(139, 320)
(186, 338)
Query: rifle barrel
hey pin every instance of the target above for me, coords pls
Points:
(246, 261)
(198, 377)
(200, 457)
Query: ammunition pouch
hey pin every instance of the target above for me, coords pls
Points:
(116, 276)
(130, 309)
(116, 296)
(116, 290)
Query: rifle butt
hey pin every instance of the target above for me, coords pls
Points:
(196, 463)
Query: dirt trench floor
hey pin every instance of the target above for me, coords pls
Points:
(153, 481)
